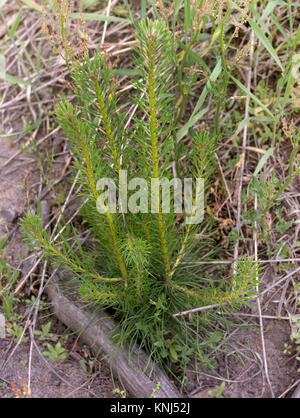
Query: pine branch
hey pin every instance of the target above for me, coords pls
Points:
(244, 282)
(107, 126)
(151, 44)
(39, 239)
(67, 117)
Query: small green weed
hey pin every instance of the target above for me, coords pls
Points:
(45, 333)
(16, 330)
(120, 392)
(217, 393)
(55, 353)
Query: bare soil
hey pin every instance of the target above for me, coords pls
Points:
(242, 368)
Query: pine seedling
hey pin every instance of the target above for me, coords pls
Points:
(136, 264)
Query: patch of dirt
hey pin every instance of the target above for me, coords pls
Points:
(242, 367)
(249, 380)
(62, 380)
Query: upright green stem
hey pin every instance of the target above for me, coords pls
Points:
(108, 215)
(187, 235)
(117, 163)
(154, 151)
(107, 127)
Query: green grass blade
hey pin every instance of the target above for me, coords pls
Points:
(188, 24)
(88, 4)
(177, 6)
(191, 122)
(143, 9)
(253, 97)
(213, 77)
(263, 161)
(197, 114)
(245, 122)
(98, 17)
(12, 79)
(280, 28)
(265, 41)
(33, 5)
(12, 31)
(269, 9)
